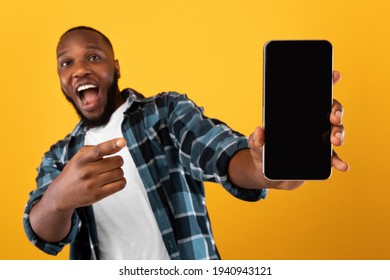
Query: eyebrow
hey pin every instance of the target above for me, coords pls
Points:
(91, 47)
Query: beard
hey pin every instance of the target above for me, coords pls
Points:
(108, 109)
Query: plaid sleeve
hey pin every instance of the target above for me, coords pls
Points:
(206, 145)
(47, 171)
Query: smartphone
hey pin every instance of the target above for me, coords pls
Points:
(297, 102)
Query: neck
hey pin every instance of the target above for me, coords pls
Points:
(120, 99)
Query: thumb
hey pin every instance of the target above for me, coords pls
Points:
(256, 142)
(107, 148)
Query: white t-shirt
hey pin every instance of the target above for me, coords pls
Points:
(126, 226)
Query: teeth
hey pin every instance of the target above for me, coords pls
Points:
(85, 87)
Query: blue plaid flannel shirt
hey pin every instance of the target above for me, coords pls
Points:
(175, 148)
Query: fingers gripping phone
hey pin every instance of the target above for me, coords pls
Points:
(297, 102)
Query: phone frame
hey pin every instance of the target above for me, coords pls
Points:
(329, 172)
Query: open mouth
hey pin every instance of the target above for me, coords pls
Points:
(88, 94)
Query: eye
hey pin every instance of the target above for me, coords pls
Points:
(65, 63)
(94, 58)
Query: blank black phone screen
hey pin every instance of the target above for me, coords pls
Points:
(297, 102)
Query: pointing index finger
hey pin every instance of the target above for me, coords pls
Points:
(107, 148)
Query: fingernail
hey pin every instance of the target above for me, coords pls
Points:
(338, 135)
(339, 114)
(120, 143)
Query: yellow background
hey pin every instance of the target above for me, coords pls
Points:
(212, 50)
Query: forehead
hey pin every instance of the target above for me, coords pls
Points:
(86, 39)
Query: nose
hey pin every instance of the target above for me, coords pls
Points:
(81, 69)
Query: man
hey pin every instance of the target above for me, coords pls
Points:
(127, 183)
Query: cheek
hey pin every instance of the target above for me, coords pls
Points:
(66, 90)
(107, 74)
(64, 81)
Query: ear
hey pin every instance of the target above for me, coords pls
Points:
(117, 68)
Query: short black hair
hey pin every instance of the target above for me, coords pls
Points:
(82, 27)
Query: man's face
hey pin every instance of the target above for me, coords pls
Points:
(88, 74)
